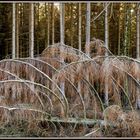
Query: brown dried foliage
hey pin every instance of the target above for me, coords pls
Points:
(31, 86)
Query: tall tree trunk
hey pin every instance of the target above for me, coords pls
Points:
(14, 32)
(48, 29)
(126, 47)
(106, 45)
(126, 34)
(87, 45)
(46, 24)
(138, 32)
(71, 25)
(31, 30)
(79, 40)
(62, 26)
(38, 25)
(20, 28)
(119, 33)
(52, 23)
(17, 30)
(31, 38)
(138, 51)
(79, 29)
(106, 26)
(62, 30)
(88, 29)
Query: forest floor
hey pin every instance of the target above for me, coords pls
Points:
(127, 125)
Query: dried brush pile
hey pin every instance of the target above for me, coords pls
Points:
(64, 92)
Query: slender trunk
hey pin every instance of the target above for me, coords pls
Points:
(48, 29)
(119, 36)
(126, 44)
(20, 28)
(126, 31)
(14, 32)
(31, 38)
(62, 26)
(129, 34)
(31, 30)
(88, 29)
(138, 33)
(46, 24)
(52, 23)
(71, 25)
(106, 45)
(17, 31)
(86, 95)
(79, 41)
(14, 36)
(62, 29)
(79, 31)
(106, 27)
(38, 25)
(138, 52)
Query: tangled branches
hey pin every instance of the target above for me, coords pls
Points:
(30, 88)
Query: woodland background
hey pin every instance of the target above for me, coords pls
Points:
(122, 26)
(70, 69)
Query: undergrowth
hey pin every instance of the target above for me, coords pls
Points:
(34, 91)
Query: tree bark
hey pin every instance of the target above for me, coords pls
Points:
(138, 51)
(14, 32)
(88, 29)
(62, 29)
(20, 28)
(119, 35)
(31, 30)
(46, 24)
(48, 33)
(138, 32)
(106, 45)
(71, 25)
(52, 23)
(79, 41)
(79, 29)
(126, 32)
(38, 25)
(17, 31)
(62, 26)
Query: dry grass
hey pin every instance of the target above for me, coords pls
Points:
(30, 89)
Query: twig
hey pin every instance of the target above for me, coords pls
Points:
(92, 132)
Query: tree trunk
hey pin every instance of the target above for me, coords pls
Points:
(71, 25)
(62, 26)
(88, 29)
(31, 38)
(17, 31)
(14, 32)
(87, 45)
(126, 35)
(48, 29)
(79, 41)
(20, 28)
(52, 23)
(38, 25)
(79, 31)
(106, 45)
(31, 30)
(138, 33)
(138, 52)
(106, 26)
(119, 34)
(46, 24)
(62, 29)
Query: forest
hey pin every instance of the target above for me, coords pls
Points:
(70, 69)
